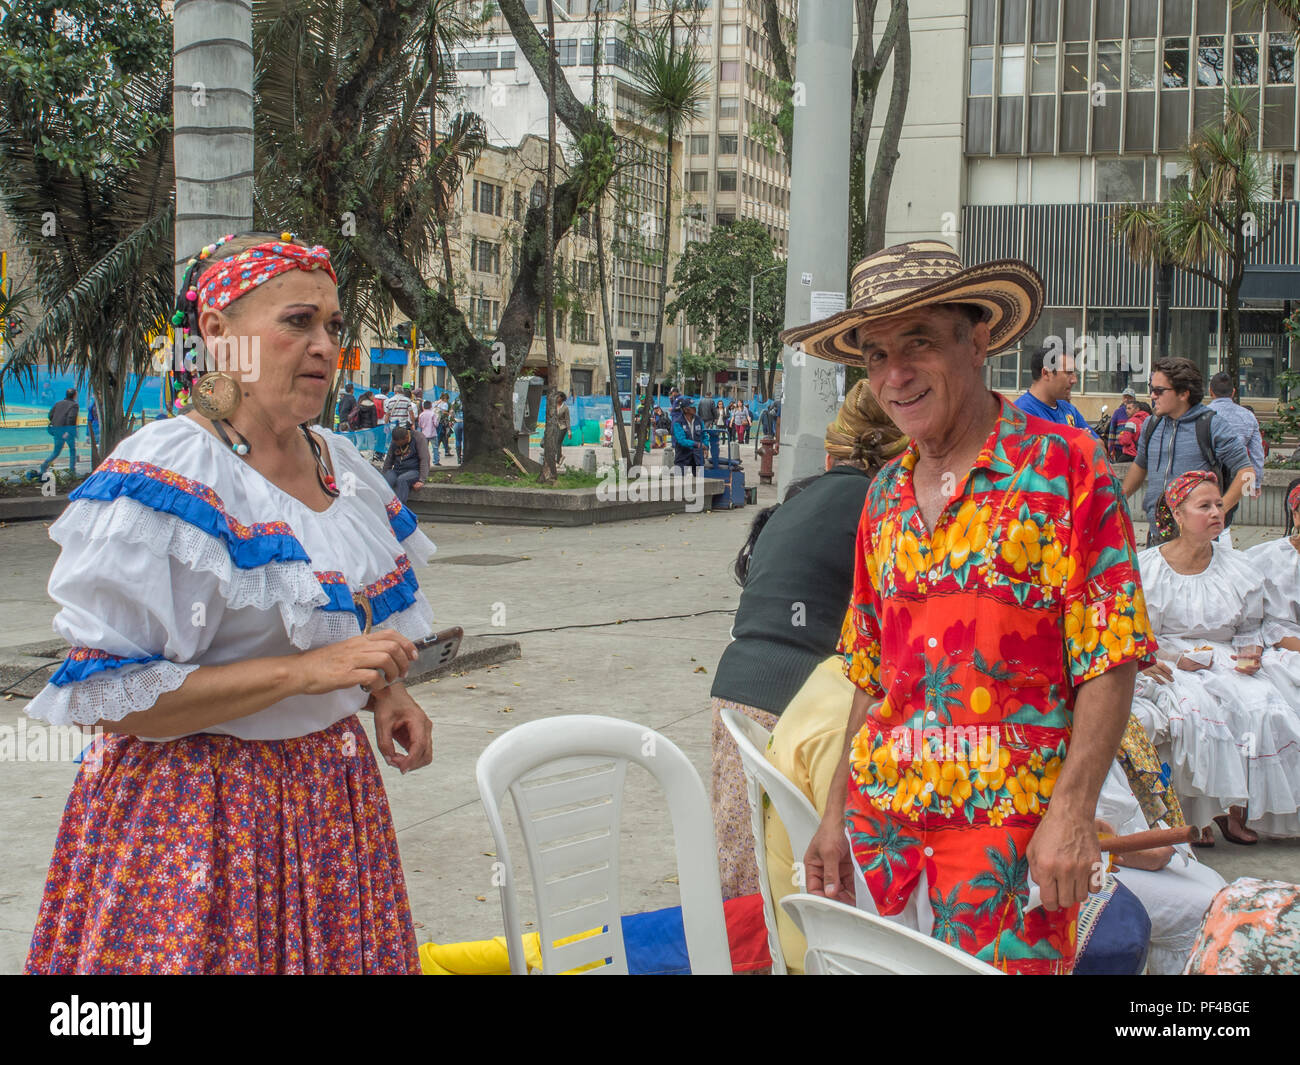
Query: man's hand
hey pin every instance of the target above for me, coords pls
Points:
(417, 484)
(399, 718)
(828, 865)
(1064, 856)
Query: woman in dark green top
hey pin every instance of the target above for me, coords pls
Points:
(797, 573)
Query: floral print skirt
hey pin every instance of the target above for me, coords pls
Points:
(211, 854)
(732, 824)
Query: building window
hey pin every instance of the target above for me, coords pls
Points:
(1013, 70)
(580, 382)
(726, 181)
(486, 314)
(1110, 57)
(1283, 181)
(1075, 67)
(485, 256)
(1281, 59)
(566, 52)
(1245, 59)
(1141, 64)
(537, 198)
(725, 218)
(488, 198)
(981, 71)
(1175, 72)
(727, 143)
(1042, 76)
(729, 70)
(697, 181)
(1209, 60)
(699, 144)
(582, 224)
(729, 107)
(518, 206)
(731, 34)
(1119, 180)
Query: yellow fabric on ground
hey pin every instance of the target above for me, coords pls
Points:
(491, 957)
(806, 746)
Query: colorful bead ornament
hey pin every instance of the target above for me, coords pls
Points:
(191, 295)
(239, 449)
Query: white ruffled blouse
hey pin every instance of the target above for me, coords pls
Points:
(1278, 562)
(1223, 604)
(178, 554)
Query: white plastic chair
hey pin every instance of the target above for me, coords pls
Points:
(565, 775)
(844, 941)
(797, 814)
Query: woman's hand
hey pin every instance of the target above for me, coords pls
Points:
(1288, 643)
(1159, 672)
(1187, 664)
(373, 660)
(1248, 660)
(399, 718)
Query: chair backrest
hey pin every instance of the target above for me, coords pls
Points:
(797, 814)
(565, 775)
(843, 940)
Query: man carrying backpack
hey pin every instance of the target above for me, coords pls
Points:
(1183, 435)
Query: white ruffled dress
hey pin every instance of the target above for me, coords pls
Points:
(1278, 562)
(178, 554)
(1232, 739)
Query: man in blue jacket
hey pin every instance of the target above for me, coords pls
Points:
(688, 439)
(1168, 446)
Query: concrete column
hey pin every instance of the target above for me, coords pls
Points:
(212, 109)
(819, 235)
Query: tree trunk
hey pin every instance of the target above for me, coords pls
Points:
(619, 429)
(887, 152)
(643, 423)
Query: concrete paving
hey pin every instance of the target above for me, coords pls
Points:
(563, 602)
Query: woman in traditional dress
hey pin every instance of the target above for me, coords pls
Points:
(1278, 562)
(1234, 742)
(220, 576)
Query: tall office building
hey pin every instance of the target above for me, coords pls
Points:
(1068, 108)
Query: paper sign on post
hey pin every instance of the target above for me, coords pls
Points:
(805, 278)
(824, 304)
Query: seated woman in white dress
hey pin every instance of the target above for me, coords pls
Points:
(1278, 562)
(1234, 743)
(219, 578)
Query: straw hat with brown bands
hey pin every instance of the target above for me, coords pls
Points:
(925, 273)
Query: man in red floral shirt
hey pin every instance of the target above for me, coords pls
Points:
(996, 626)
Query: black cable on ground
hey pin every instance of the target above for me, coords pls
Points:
(10, 690)
(607, 624)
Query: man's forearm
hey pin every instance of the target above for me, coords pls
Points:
(1233, 495)
(1133, 479)
(1101, 710)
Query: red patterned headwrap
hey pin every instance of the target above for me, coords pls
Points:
(1175, 492)
(1293, 500)
(227, 279)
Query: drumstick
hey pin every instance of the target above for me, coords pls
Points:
(1148, 840)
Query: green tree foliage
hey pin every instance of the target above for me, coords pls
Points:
(711, 287)
(85, 149)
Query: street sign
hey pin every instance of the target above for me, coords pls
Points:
(623, 370)
(805, 278)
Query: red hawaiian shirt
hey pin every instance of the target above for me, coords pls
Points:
(975, 640)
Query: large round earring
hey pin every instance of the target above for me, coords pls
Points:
(216, 396)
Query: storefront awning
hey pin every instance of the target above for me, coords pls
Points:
(1271, 281)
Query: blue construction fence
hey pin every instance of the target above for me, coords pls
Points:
(588, 414)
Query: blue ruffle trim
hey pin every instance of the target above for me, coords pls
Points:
(73, 672)
(404, 523)
(257, 549)
(394, 600)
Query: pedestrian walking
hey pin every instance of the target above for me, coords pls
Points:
(346, 402)
(428, 427)
(400, 409)
(63, 427)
